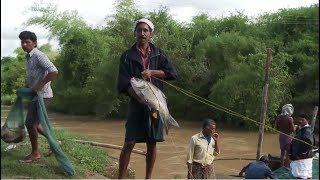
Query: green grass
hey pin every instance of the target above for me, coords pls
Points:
(178, 176)
(86, 159)
(8, 99)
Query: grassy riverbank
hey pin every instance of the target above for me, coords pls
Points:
(90, 162)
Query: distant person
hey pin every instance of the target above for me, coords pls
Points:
(301, 153)
(284, 123)
(143, 60)
(258, 169)
(40, 72)
(203, 147)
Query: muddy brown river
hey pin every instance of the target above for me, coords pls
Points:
(171, 157)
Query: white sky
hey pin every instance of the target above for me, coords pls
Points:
(16, 12)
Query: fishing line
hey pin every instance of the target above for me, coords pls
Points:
(226, 110)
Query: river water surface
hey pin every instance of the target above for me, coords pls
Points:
(171, 157)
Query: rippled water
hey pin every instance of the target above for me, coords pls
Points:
(171, 157)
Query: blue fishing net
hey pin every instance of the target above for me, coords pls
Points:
(15, 123)
(13, 131)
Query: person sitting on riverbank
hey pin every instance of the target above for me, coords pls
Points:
(202, 149)
(258, 169)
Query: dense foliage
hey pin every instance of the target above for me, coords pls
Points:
(220, 59)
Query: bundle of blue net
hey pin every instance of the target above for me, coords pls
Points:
(14, 131)
(284, 173)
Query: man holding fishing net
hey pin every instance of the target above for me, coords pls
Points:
(40, 72)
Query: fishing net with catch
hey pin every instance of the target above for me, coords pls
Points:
(13, 131)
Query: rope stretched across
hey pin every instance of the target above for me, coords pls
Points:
(226, 110)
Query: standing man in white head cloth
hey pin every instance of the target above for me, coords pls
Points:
(284, 123)
(143, 60)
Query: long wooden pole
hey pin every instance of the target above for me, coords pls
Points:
(224, 159)
(112, 146)
(314, 117)
(264, 103)
(240, 159)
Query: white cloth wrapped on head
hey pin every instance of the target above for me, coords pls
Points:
(287, 109)
(144, 20)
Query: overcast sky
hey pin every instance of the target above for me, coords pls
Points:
(15, 12)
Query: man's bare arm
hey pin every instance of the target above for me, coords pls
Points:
(50, 76)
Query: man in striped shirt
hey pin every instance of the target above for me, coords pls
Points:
(40, 72)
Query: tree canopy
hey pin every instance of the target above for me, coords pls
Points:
(219, 59)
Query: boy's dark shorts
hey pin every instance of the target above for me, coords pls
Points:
(32, 114)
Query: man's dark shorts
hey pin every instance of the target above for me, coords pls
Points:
(139, 128)
(32, 114)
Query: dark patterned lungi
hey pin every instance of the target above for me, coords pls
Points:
(202, 172)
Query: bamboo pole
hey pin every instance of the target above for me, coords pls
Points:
(314, 117)
(7, 117)
(240, 159)
(264, 103)
(112, 146)
(224, 159)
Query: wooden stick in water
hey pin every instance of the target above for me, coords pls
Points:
(234, 159)
(251, 159)
(112, 146)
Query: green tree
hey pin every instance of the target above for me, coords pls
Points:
(220, 59)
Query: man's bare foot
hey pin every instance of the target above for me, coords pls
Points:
(31, 157)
